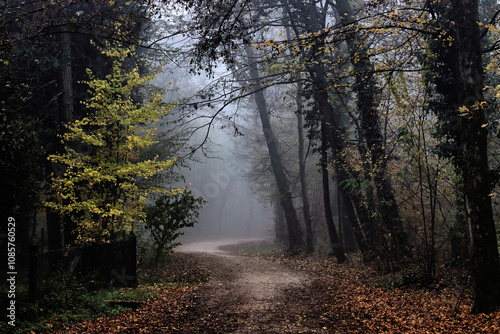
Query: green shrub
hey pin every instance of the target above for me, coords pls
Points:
(167, 217)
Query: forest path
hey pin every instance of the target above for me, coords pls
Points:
(229, 292)
(236, 292)
(251, 294)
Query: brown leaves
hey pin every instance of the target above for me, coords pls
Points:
(337, 299)
(159, 315)
(354, 304)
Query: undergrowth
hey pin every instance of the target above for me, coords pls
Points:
(64, 299)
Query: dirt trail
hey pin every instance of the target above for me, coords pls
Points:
(249, 294)
(211, 246)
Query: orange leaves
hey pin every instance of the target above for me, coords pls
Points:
(365, 308)
(350, 302)
(337, 299)
(161, 314)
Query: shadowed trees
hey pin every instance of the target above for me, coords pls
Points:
(295, 239)
(460, 82)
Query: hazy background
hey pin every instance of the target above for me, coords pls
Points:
(218, 172)
(233, 210)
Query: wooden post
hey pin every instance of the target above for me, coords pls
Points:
(33, 272)
(133, 257)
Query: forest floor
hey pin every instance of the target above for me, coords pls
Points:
(235, 290)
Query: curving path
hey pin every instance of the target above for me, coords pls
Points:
(249, 292)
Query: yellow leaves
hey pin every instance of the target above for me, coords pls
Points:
(113, 212)
(114, 51)
(497, 91)
(463, 111)
(393, 14)
(277, 68)
(98, 189)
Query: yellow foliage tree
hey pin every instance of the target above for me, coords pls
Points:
(98, 191)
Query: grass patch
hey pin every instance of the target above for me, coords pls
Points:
(45, 315)
(64, 300)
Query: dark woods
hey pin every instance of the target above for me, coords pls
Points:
(392, 144)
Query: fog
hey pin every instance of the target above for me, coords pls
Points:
(216, 171)
(232, 209)
(218, 174)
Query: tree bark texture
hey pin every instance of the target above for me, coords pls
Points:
(302, 176)
(458, 78)
(280, 231)
(337, 249)
(474, 137)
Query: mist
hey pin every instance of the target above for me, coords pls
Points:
(217, 171)
(232, 210)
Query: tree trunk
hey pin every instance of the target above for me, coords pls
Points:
(474, 137)
(54, 233)
(280, 231)
(354, 222)
(460, 251)
(365, 87)
(459, 81)
(294, 232)
(347, 229)
(306, 14)
(302, 161)
(66, 79)
(302, 175)
(66, 110)
(335, 245)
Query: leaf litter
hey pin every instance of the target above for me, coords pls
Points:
(274, 293)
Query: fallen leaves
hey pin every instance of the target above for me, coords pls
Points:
(158, 315)
(337, 299)
(350, 302)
